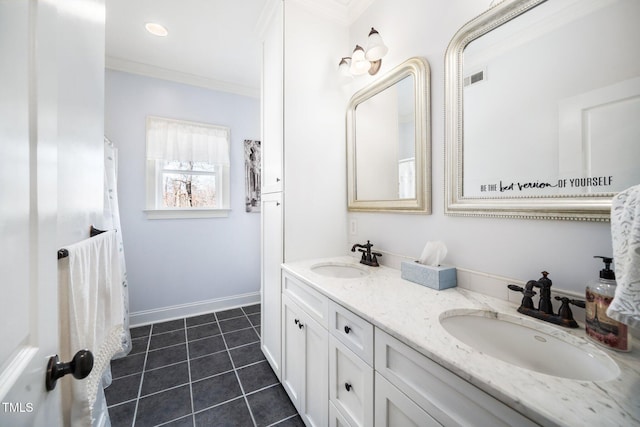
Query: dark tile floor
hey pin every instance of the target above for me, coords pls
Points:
(206, 370)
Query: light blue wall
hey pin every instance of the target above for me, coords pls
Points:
(181, 261)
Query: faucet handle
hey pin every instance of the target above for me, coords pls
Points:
(527, 302)
(565, 313)
(526, 292)
(576, 302)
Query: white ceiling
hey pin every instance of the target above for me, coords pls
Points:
(211, 43)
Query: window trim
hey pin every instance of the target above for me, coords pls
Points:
(153, 172)
(191, 213)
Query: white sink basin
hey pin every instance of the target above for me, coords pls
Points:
(530, 345)
(340, 271)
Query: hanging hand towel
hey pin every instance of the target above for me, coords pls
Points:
(91, 317)
(625, 235)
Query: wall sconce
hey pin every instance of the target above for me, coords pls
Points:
(361, 61)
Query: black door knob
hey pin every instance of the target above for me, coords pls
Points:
(80, 367)
(348, 386)
(347, 329)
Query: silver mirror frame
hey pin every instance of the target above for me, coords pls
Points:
(419, 68)
(574, 207)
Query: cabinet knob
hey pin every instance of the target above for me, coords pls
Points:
(348, 386)
(296, 321)
(300, 325)
(277, 179)
(347, 329)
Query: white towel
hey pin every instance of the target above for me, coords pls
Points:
(625, 235)
(91, 316)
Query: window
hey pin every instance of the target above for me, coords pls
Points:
(187, 169)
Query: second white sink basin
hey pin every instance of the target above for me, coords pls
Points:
(339, 270)
(527, 344)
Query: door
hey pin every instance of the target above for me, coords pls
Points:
(28, 203)
(271, 253)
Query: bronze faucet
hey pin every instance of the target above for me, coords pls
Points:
(368, 258)
(545, 307)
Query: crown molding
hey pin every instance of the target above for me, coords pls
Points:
(147, 70)
(343, 12)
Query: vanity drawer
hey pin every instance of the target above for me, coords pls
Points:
(445, 396)
(310, 300)
(350, 385)
(352, 330)
(394, 408)
(335, 417)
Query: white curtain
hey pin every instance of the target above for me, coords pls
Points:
(187, 141)
(111, 216)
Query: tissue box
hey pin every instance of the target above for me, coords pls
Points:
(433, 277)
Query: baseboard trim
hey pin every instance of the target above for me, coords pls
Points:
(145, 317)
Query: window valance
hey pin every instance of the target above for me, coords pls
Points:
(176, 140)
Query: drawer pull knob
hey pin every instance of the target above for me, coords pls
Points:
(296, 321)
(347, 329)
(348, 386)
(300, 325)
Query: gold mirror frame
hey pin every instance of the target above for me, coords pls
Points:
(419, 69)
(574, 207)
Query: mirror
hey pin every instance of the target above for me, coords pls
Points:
(388, 143)
(541, 109)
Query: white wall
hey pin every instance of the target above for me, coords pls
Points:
(181, 261)
(80, 118)
(314, 106)
(518, 249)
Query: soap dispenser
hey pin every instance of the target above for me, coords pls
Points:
(600, 327)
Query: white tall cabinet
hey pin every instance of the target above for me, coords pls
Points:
(302, 114)
(272, 240)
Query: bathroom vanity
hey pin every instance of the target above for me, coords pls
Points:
(363, 347)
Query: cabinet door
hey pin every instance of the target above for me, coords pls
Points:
(293, 357)
(350, 384)
(305, 363)
(271, 254)
(272, 104)
(395, 409)
(316, 377)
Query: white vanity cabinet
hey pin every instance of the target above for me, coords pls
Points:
(305, 365)
(351, 366)
(342, 371)
(444, 396)
(350, 384)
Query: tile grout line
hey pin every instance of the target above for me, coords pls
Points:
(186, 338)
(235, 371)
(252, 325)
(144, 365)
(227, 349)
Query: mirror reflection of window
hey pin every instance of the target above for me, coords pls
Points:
(385, 125)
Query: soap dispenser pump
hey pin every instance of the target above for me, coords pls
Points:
(600, 327)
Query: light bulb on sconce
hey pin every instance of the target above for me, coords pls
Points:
(361, 61)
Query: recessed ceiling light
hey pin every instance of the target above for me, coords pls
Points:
(156, 29)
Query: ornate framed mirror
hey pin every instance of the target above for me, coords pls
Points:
(388, 142)
(542, 108)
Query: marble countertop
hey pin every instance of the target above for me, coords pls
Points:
(411, 313)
